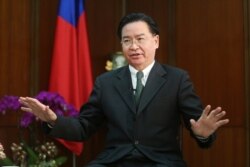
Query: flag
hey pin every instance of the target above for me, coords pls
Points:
(71, 74)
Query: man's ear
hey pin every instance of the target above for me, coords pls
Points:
(157, 40)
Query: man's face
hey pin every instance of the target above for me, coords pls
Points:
(139, 44)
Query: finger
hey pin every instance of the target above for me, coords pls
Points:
(23, 103)
(222, 122)
(22, 100)
(34, 103)
(26, 100)
(206, 110)
(37, 106)
(47, 109)
(32, 100)
(26, 109)
(217, 110)
(214, 112)
(193, 123)
(220, 115)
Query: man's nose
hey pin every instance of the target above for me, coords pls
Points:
(134, 44)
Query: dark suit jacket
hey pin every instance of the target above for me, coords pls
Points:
(153, 129)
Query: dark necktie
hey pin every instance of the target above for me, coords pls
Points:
(139, 87)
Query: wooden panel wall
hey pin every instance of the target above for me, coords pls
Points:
(15, 44)
(204, 37)
(47, 22)
(210, 45)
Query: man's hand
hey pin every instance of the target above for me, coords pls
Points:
(38, 109)
(209, 122)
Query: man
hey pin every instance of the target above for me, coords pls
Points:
(141, 104)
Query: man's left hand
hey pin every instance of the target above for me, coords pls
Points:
(209, 122)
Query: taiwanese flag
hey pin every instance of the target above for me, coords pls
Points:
(71, 74)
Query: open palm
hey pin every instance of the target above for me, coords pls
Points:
(209, 122)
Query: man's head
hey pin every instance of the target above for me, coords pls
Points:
(134, 17)
(139, 37)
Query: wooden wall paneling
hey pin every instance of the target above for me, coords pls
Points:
(210, 45)
(103, 18)
(47, 23)
(15, 50)
(229, 150)
(246, 5)
(4, 35)
(19, 48)
(162, 16)
(140, 6)
(15, 46)
(171, 49)
(34, 51)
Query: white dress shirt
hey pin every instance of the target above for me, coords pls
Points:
(146, 72)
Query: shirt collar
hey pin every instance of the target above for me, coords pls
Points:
(146, 71)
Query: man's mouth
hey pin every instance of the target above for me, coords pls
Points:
(135, 55)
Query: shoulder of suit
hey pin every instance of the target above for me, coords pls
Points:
(169, 68)
(113, 73)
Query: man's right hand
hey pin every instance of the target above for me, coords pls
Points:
(40, 110)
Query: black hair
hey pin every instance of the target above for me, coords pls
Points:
(133, 17)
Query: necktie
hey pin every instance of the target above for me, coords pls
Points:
(139, 87)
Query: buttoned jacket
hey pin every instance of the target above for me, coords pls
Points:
(167, 100)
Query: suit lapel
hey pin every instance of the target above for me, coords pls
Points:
(155, 81)
(123, 84)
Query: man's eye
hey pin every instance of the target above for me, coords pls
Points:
(141, 39)
(126, 41)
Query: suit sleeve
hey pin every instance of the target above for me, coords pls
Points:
(83, 126)
(191, 108)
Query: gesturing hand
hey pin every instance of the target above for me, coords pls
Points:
(38, 109)
(209, 122)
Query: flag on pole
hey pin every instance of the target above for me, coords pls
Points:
(71, 74)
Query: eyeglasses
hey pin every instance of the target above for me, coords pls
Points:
(127, 42)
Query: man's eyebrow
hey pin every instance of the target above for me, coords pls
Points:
(139, 35)
(125, 37)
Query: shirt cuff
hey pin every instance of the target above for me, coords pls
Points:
(50, 126)
(202, 139)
